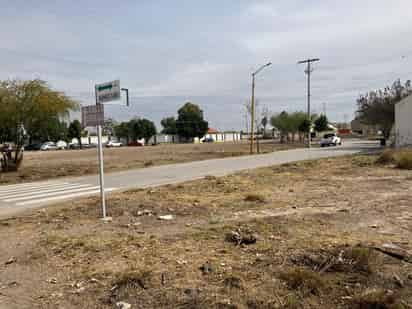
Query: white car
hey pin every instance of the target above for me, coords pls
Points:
(61, 145)
(330, 139)
(48, 146)
(113, 144)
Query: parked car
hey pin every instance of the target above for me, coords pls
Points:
(74, 146)
(138, 143)
(330, 139)
(208, 140)
(48, 146)
(111, 144)
(61, 145)
(33, 147)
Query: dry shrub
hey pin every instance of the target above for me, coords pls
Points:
(386, 157)
(133, 279)
(348, 260)
(404, 160)
(305, 280)
(255, 198)
(377, 299)
(148, 163)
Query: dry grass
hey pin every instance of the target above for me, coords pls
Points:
(402, 159)
(254, 197)
(311, 251)
(377, 298)
(303, 280)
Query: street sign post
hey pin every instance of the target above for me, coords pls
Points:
(104, 93)
(108, 92)
(93, 115)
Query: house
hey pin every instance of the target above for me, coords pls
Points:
(219, 137)
(403, 122)
(164, 139)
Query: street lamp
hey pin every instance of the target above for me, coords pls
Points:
(127, 95)
(252, 125)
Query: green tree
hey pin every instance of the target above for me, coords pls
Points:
(53, 130)
(75, 131)
(169, 125)
(282, 123)
(321, 123)
(141, 128)
(122, 130)
(190, 122)
(26, 106)
(305, 127)
(378, 107)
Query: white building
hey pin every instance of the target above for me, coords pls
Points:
(403, 122)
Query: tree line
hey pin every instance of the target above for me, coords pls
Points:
(298, 124)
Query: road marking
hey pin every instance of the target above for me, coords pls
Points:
(56, 198)
(28, 185)
(43, 192)
(36, 196)
(60, 187)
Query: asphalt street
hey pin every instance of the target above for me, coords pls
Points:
(15, 198)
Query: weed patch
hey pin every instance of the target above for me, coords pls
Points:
(257, 198)
(307, 281)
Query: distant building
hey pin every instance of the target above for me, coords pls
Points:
(219, 137)
(403, 122)
(364, 129)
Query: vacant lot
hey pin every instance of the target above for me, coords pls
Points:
(334, 233)
(45, 165)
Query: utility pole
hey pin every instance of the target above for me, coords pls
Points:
(308, 71)
(252, 108)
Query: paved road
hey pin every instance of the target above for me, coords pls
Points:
(14, 198)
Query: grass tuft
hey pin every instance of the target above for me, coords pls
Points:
(386, 157)
(377, 299)
(253, 197)
(404, 160)
(305, 280)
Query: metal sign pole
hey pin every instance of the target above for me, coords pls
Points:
(101, 170)
(101, 165)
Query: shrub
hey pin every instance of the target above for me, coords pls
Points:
(305, 280)
(386, 157)
(404, 160)
(376, 299)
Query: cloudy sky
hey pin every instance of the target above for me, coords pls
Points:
(168, 52)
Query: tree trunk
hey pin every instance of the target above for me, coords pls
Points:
(7, 162)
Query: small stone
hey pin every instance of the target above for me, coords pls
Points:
(166, 217)
(398, 281)
(181, 262)
(80, 290)
(10, 261)
(410, 276)
(52, 281)
(107, 219)
(374, 226)
(207, 268)
(123, 305)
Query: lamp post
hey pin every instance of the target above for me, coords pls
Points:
(252, 108)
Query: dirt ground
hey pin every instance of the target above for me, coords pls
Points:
(45, 165)
(333, 233)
